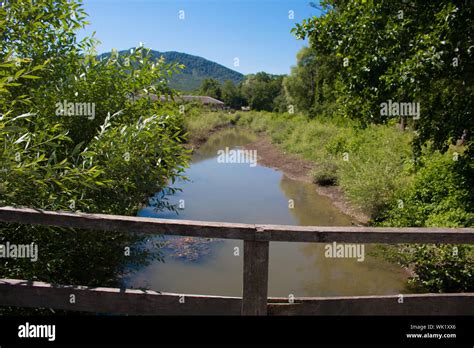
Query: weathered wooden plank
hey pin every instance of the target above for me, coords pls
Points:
(102, 222)
(383, 235)
(23, 293)
(309, 234)
(140, 302)
(255, 291)
(413, 304)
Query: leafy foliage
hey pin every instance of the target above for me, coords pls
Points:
(402, 51)
(310, 87)
(261, 90)
(440, 194)
(232, 95)
(109, 163)
(211, 88)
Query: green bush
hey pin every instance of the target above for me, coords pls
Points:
(110, 163)
(440, 195)
(325, 174)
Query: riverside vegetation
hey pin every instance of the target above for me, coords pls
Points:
(402, 172)
(110, 163)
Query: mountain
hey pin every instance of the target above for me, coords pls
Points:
(196, 70)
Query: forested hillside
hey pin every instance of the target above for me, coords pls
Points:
(196, 70)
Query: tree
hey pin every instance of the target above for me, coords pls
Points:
(310, 87)
(109, 163)
(261, 89)
(404, 52)
(231, 95)
(211, 87)
(300, 86)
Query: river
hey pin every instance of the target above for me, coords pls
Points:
(240, 192)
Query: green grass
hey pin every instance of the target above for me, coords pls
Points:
(200, 122)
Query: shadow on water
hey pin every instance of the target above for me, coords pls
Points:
(234, 192)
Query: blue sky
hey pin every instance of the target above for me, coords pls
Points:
(257, 32)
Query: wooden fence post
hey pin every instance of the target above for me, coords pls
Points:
(255, 287)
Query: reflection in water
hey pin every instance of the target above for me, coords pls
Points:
(230, 137)
(240, 193)
(311, 209)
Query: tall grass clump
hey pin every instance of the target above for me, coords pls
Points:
(375, 163)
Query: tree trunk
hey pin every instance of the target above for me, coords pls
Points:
(403, 123)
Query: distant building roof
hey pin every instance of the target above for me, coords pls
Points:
(202, 99)
(188, 98)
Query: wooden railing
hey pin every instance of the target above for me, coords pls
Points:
(254, 300)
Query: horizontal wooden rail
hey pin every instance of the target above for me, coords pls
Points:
(256, 258)
(102, 222)
(406, 304)
(24, 293)
(268, 233)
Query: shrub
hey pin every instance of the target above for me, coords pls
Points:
(325, 174)
(440, 196)
(375, 167)
(57, 162)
